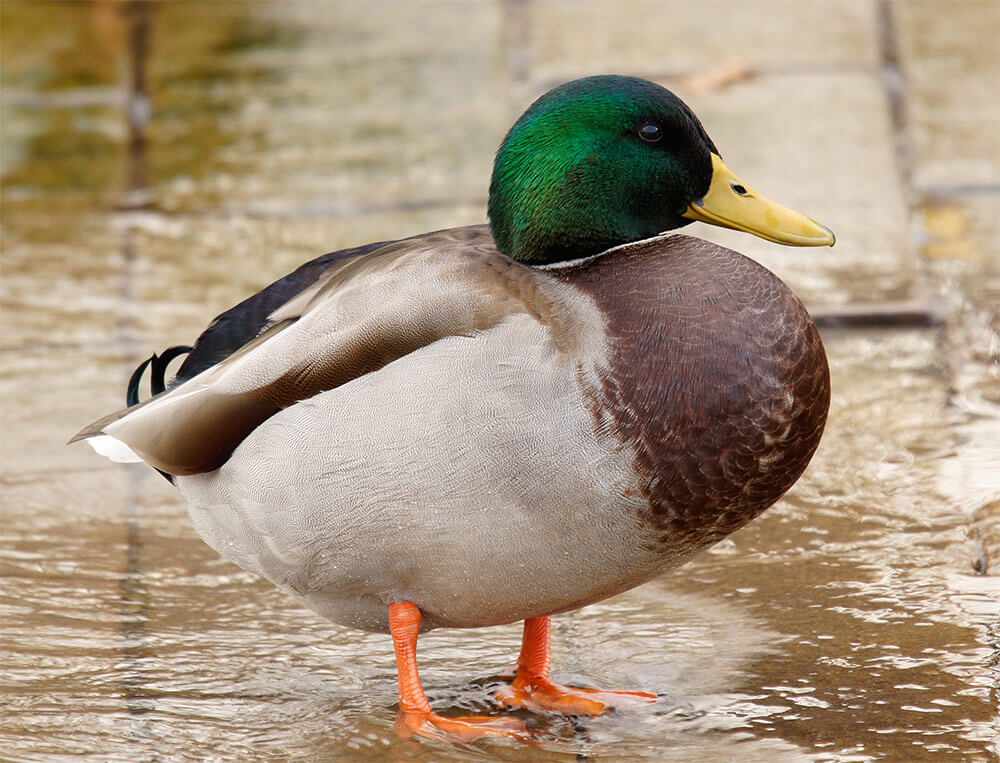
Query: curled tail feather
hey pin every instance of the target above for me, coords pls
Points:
(157, 374)
(157, 365)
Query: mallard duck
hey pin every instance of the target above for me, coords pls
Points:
(499, 423)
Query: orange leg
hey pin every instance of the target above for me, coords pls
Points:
(416, 716)
(532, 688)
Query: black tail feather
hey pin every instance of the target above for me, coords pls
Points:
(132, 392)
(157, 379)
(157, 375)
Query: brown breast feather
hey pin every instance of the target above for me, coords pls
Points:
(718, 380)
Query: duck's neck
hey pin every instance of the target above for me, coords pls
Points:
(540, 219)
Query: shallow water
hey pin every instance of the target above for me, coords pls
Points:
(856, 620)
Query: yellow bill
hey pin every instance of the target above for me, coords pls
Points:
(731, 203)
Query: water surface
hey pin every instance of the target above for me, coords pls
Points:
(853, 621)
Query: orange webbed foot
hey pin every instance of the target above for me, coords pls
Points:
(462, 729)
(544, 695)
(532, 689)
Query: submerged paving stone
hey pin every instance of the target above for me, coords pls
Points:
(355, 113)
(948, 62)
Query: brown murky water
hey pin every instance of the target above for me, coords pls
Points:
(857, 620)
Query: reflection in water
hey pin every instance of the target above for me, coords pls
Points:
(847, 623)
(138, 17)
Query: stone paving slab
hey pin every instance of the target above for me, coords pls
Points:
(569, 39)
(836, 165)
(948, 55)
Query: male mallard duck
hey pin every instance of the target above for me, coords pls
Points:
(484, 425)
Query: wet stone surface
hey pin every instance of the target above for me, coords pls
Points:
(856, 620)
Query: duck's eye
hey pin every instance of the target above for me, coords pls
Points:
(740, 190)
(651, 133)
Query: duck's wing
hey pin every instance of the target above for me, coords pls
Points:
(235, 327)
(360, 315)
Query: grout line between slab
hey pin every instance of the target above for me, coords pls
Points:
(894, 85)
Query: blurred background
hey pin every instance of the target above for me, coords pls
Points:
(162, 161)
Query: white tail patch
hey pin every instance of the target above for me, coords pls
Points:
(112, 448)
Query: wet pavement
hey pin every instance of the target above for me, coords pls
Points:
(162, 162)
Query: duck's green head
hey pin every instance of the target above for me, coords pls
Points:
(605, 160)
